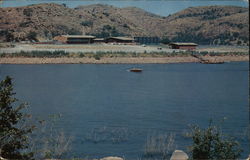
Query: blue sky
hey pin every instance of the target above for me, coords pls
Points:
(160, 7)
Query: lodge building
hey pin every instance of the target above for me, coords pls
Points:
(124, 40)
(75, 39)
(184, 46)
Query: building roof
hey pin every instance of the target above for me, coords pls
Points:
(99, 39)
(79, 36)
(123, 38)
(184, 44)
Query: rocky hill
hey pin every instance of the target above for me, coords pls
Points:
(204, 25)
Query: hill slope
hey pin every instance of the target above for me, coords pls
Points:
(208, 25)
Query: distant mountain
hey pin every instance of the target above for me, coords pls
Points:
(204, 25)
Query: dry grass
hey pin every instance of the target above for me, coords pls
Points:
(159, 146)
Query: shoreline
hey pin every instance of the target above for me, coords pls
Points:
(119, 60)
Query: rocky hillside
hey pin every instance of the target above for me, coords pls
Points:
(204, 25)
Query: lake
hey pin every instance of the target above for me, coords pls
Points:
(111, 112)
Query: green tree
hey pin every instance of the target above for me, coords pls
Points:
(165, 40)
(212, 144)
(13, 127)
(32, 36)
(64, 4)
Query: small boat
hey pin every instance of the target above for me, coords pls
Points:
(135, 70)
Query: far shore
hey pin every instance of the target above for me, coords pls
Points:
(119, 60)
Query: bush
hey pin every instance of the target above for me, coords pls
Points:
(125, 26)
(97, 57)
(13, 131)
(32, 36)
(165, 40)
(87, 23)
(28, 12)
(211, 143)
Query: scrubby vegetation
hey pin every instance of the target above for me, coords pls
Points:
(20, 138)
(211, 143)
(109, 31)
(159, 146)
(32, 36)
(203, 25)
(39, 54)
(87, 23)
(13, 126)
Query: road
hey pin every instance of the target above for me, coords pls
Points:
(87, 48)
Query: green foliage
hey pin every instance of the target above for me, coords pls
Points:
(221, 39)
(106, 14)
(73, 31)
(211, 143)
(97, 57)
(106, 27)
(39, 54)
(8, 34)
(65, 30)
(189, 37)
(28, 11)
(64, 4)
(32, 36)
(165, 40)
(102, 34)
(25, 24)
(210, 14)
(125, 26)
(13, 130)
(87, 23)
(108, 31)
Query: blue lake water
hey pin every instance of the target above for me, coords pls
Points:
(121, 109)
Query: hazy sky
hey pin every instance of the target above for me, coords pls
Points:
(160, 7)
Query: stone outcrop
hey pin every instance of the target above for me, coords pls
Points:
(179, 155)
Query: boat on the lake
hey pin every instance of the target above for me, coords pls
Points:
(135, 70)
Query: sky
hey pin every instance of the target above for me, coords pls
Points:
(160, 7)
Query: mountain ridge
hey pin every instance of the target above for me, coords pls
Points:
(204, 25)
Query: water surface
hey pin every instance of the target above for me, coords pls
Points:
(123, 108)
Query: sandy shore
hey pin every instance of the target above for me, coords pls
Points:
(117, 60)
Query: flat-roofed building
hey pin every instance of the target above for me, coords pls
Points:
(75, 39)
(99, 40)
(124, 40)
(184, 46)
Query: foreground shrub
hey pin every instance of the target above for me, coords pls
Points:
(13, 129)
(211, 143)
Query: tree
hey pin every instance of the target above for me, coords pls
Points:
(165, 40)
(13, 128)
(32, 36)
(64, 5)
(212, 144)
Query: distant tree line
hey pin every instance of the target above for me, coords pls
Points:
(108, 31)
(222, 39)
(211, 14)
